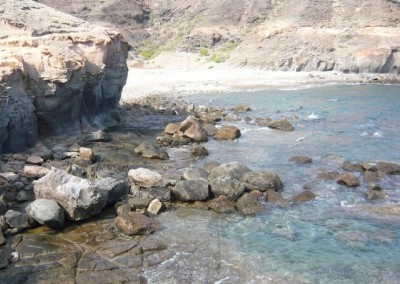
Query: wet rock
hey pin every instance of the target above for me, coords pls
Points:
(36, 160)
(192, 129)
(145, 178)
(100, 170)
(275, 198)
(233, 169)
(3, 223)
(172, 128)
(194, 173)
(77, 171)
(222, 204)
(47, 212)
(209, 166)
(35, 172)
(23, 196)
(152, 245)
(199, 151)
(228, 186)
(191, 190)
(133, 223)
(124, 208)
(59, 152)
(2, 239)
(151, 151)
(13, 166)
(80, 198)
(327, 175)
(155, 207)
(115, 189)
(388, 168)
(97, 136)
(348, 180)
(263, 121)
(139, 202)
(227, 133)
(375, 192)
(281, 124)
(392, 210)
(19, 220)
(263, 181)
(86, 154)
(210, 129)
(300, 160)
(161, 193)
(371, 177)
(353, 167)
(248, 204)
(304, 196)
(242, 108)
(5, 257)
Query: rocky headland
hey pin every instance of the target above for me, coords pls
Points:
(58, 74)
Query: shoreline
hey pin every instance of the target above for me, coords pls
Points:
(164, 81)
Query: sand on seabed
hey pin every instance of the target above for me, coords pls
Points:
(183, 73)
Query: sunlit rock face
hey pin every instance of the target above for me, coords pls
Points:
(58, 74)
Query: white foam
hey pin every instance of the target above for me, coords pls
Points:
(312, 116)
(300, 139)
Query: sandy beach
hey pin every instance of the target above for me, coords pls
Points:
(180, 74)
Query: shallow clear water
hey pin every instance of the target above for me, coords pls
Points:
(327, 240)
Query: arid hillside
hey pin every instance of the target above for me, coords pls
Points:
(297, 35)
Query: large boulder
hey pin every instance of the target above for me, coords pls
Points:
(59, 74)
(228, 186)
(227, 133)
(191, 190)
(151, 151)
(145, 178)
(233, 169)
(133, 223)
(281, 124)
(80, 198)
(47, 212)
(192, 129)
(194, 173)
(263, 181)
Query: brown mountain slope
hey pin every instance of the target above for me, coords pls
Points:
(299, 35)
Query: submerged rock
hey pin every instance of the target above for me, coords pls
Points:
(304, 196)
(47, 212)
(275, 198)
(300, 160)
(199, 151)
(375, 192)
(348, 179)
(388, 168)
(133, 223)
(353, 167)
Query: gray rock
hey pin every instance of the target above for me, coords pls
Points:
(222, 204)
(155, 207)
(281, 124)
(263, 181)
(2, 238)
(199, 151)
(348, 180)
(248, 204)
(194, 173)
(133, 223)
(34, 172)
(210, 129)
(233, 169)
(209, 166)
(47, 212)
(18, 220)
(36, 160)
(192, 190)
(161, 193)
(80, 198)
(116, 189)
(300, 160)
(228, 186)
(59, 152)
(227, 133)
(304, 196)
(151, 151)
(9, 177)
(3, 205)
(139, 202)
(77, 171)
(263, 121)
(145, 178)
(5, 257)
(23, 196)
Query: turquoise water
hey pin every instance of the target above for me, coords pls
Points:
(328, 240)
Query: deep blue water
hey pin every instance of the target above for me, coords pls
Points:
(328, 240)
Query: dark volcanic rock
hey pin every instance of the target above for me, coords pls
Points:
(133, 223)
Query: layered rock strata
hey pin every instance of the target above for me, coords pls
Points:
(58, 74)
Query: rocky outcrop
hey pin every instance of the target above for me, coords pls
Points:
(58, 74)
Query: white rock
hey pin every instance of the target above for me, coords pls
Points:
(145, 178)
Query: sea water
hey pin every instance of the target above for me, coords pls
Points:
(331, 239)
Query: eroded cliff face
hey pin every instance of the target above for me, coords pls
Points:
(58, 74)
(359, 36)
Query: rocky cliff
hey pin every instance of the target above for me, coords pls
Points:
(58, 74)
(359, 36)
